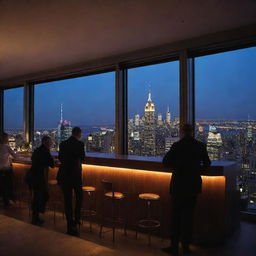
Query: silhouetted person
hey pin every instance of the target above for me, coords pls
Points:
(38, 180)
(71, 156)
(187, 158)
(6, 173)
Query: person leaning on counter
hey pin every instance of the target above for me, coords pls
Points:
(187, 158)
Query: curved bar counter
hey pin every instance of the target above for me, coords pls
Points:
(217, 211)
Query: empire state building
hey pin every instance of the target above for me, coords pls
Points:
(149, 136)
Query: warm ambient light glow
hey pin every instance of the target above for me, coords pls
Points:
(88, 168)
(110, 168)
(206, 179)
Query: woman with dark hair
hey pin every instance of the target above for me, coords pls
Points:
(38, 178)
(6, 175)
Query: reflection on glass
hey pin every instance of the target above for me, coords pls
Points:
(226, 113)
(153, 108)
(87, 102)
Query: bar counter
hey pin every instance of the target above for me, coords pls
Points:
(217, 211)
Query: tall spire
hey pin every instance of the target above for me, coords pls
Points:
(61, 113)
(149, 92)
(168, 109)
(149, 96)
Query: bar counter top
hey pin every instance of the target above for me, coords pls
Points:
(138, 162)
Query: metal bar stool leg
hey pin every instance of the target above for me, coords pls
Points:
(90, 212)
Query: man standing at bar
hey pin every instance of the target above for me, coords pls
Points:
(37, 178)
(71, 156)
(188, 158)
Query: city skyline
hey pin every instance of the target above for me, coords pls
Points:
(219, 80)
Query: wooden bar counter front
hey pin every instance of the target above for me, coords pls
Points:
(217, 211)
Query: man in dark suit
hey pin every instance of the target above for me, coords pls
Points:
(71, 156)
(37, 178)
(187, 158)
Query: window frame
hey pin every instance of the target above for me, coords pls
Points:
(146, 57)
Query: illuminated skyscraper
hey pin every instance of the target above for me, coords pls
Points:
(137, 120)
(149, 136)
(168, 116)
(214, 143)
(201, 129)
(64, 128)
(12, 143)
(249, 133)
(159, 119)
(249, 130)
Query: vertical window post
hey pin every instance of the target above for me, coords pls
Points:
(121, 112)
(1, 111)
(28, 113)
(187, 89)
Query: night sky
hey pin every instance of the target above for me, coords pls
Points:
(225, 89)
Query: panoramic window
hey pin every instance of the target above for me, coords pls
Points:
(87, 102)
(153, 108)
(226, 113)
(13, 118)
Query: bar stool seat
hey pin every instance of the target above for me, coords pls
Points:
(116, 195)
(149, 196)
(88, 189)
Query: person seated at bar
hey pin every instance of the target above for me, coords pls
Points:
(188, 158)
(6, 173)
(38, 180)
(71, 156)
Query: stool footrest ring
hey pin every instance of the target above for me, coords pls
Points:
(149, 223)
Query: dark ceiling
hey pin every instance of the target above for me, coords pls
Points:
(38, 35)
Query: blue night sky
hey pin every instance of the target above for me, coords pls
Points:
(225, 89)
(226, 85)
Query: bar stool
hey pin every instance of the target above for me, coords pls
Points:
(115, 198)
(88, 213)
(148, 223)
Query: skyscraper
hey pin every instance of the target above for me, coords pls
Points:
(149, 137)
(137, 120)
(159, 119)
(168, 116)
(214, 143)
(64, 128)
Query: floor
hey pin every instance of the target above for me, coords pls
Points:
(18, 235)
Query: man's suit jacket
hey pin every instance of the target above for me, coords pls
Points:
(188, 159)
(71, 156)
(37, 176)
